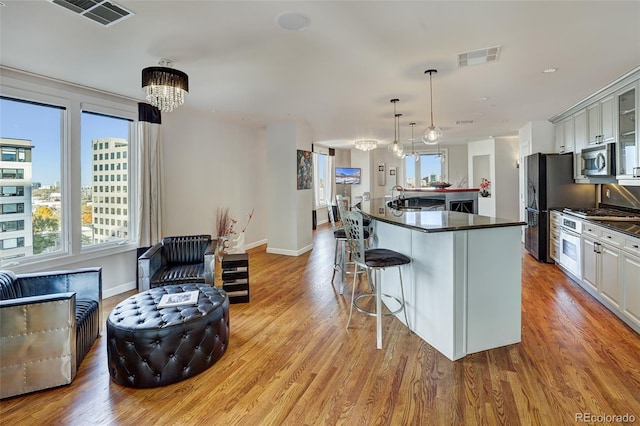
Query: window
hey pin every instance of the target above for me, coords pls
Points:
(429, 168)
(38, 169)
(112, 136)
(321, 179)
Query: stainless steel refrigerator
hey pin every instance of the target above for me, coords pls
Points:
(549, 184)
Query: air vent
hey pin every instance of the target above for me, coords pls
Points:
(459, 122)
(477, 57)
(103, 12)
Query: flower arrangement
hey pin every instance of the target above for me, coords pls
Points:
(224, 222)
(485, 186)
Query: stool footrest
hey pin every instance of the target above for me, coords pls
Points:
(373, 295)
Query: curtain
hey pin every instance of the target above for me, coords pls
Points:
(149, 204)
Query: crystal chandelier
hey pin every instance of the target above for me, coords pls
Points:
(413, 154)
(432, 134)
(366, 144)
(396, 148)
(164, 86)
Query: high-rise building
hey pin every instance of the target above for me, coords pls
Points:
(16, 236)
(110, 190)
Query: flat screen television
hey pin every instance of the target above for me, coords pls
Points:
(348, 175)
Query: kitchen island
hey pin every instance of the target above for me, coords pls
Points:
(463, 286)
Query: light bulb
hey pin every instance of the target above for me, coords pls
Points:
(415, 156)
(400, 152)
(431, 135)
(393, 148)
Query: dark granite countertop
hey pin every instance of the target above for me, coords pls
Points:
(431, 221)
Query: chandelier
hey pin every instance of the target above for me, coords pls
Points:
(432, 134)
(165, 87)
(413, 154)
(396, 148)
(366, 144)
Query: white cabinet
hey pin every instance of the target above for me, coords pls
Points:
(611, 270)
(600, 121)
(590, 262)
(564, 134)
(554, 235)
(628, 148)
(579, 141)
(610, 285)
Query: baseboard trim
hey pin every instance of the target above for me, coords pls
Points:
(114, 291)
(289, 252)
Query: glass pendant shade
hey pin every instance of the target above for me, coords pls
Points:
(432, 135)
(165, 87)
(413, 154)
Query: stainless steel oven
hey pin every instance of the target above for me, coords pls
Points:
(570, 256)
(599, 161)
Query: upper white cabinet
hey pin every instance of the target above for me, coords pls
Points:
(610, 115)
(600, 121)
(628, 163)
(564, 135)
(579, 142)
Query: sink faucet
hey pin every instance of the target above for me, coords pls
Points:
(401, 189)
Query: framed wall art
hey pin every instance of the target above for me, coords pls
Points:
(305, 169)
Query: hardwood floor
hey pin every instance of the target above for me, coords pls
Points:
(290, 361)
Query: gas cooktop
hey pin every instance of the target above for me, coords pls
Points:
(604, 213)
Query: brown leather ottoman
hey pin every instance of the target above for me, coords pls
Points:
(149, 346)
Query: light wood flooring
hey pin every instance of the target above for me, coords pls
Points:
(290, 361)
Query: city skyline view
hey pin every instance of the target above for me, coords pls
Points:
(41, 124)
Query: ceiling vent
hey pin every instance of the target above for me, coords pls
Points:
(460, 122)
(101, 11)
(477, 57)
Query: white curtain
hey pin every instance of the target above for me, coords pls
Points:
(149, 203)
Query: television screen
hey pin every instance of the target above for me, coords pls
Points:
(348, 175)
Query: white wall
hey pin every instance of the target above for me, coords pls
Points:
(210, 164)
(289, 215)
(501, 156)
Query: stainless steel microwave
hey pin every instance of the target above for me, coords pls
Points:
(599, 161)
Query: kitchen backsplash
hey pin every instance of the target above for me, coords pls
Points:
(622, 196)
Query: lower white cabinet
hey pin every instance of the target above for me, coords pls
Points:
(609, 274)
(631, 286)
(611, 271)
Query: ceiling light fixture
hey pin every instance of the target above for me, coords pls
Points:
(413, 154)
(366, 144)
(550, 70)
(396, 148)
(165, 87)
(432, 134)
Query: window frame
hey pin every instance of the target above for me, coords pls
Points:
(444, 167)
(72, 99)
(316, 180)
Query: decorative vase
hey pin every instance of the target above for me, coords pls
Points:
(222, 247)
(237, 244)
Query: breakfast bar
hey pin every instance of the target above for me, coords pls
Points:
(463, 286)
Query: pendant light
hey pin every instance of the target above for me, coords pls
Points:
(164, 86)
(396, 148)
(413, 154)
(432, 134)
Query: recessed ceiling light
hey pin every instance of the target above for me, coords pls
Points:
(483, 99)
(550, 70)
(292, 21)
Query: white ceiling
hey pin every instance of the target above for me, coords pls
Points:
(339, 74)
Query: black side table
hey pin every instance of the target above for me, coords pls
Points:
(235, 277)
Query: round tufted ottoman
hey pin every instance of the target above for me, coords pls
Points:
(149, 346)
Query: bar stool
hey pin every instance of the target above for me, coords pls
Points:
(341, 240)
(375, 259)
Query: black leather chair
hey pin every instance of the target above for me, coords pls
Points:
(49, 321)
(176, 260)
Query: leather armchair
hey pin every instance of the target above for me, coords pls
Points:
(177, 260)
(48, 323)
